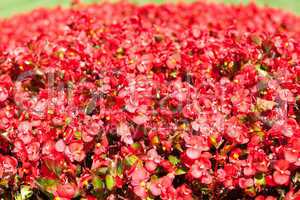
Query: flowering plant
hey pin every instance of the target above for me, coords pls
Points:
(118, 101)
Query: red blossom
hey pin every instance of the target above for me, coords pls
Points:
(66, 191)
(8, 166)
(120, 101)
(75, 151)
(282, 175)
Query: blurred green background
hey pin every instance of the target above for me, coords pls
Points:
(10, 7)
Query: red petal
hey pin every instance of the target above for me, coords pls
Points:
(281, 165)
(155, 190)
(281, 178)
(3, 94)
(140, 119)
(196, 172)
(245, 183)
(290, 155)
(150, 166)
(140, 191)
(193, 153)
(60, 146)
(66, 191)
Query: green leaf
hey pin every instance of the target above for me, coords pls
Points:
(25, 193)
(68, 120)
(109, 182)
(18, 196)
(213, 141)
(52, 166)
(119, 168)
(180, 171)
(47, 186)
(97, 183)
(77, 135)
(130, 160)
(260, 179)
(262, 71)
(78, 170)
(136, 145)
(173, 74)
(46, 183)
(102, 170)
(250, 191)
(173, 159)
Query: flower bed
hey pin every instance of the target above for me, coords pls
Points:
(118, 101)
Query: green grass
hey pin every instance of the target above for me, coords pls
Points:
(289, 5)
(10, 7)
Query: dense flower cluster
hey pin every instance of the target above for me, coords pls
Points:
(181, 102)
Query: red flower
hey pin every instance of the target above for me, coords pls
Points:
(75, 151)
(140, 119)
(120, 101)
(90, 131)
(5, 87)
(196, 145)
(140, 191)
(199, 170)
(287, 128)
(66, 191)
(139, 175)
(291, 153)
(8, 166)
(33, 151)
(246, 182)
(282, 175)
(292, 195)
(184, 192)
(161, 185)
(3, 94)
(261, 197)
(138, 180)
(124, 131)
(24, 132)
(60, 146)
(236, 131)
(150, 166)
(152, 160)
(241, 101)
